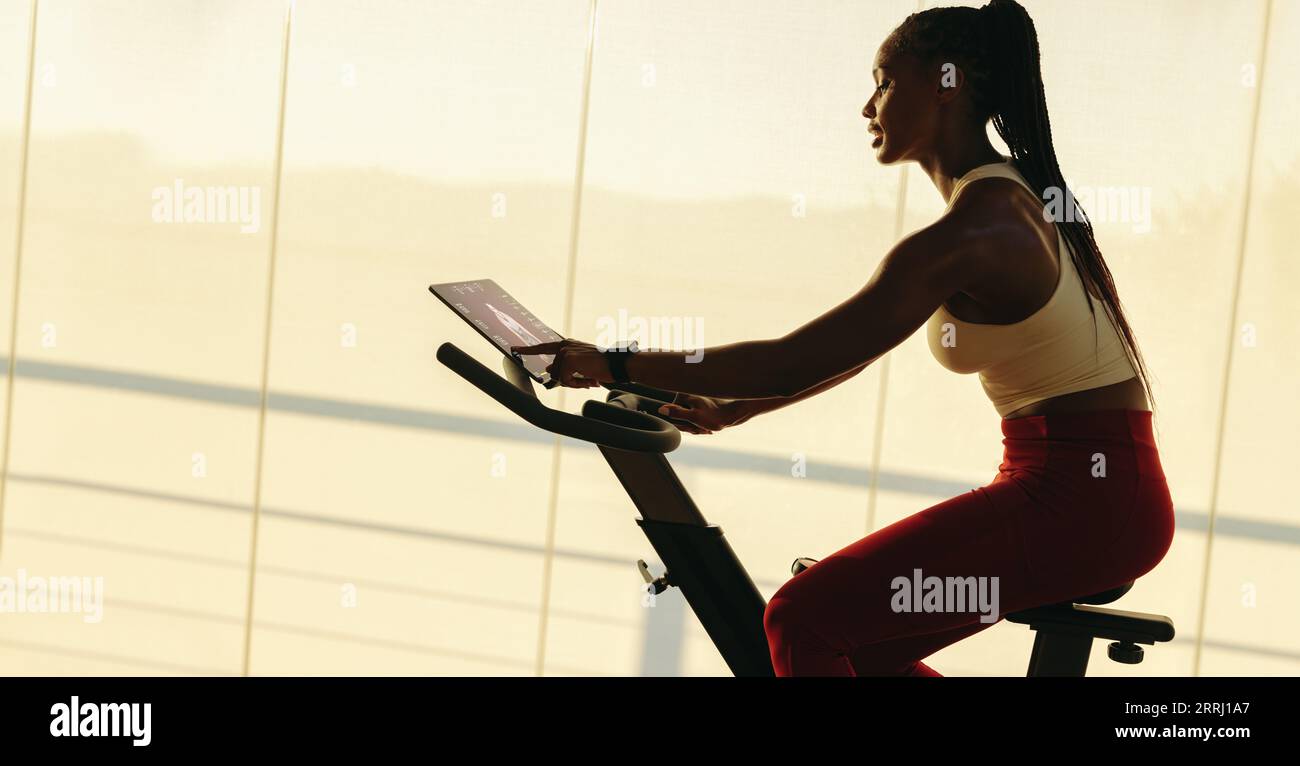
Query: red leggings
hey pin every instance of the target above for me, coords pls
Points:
(1079, 505)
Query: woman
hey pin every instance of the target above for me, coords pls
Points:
(1080, 503)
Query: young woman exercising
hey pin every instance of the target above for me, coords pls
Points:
(1007, 288)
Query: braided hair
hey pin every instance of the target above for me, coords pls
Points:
(996, 48)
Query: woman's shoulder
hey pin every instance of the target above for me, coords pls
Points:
(1002, 212)
(1009, 249)
(994, 215)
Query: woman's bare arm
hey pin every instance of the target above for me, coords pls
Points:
(759, 406)
(912, 281)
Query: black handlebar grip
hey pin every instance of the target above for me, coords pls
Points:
(599, 424)
(647, 392)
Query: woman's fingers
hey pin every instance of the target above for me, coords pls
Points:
(679, 418)
(676, 411)
(686, 421)
(696, 417)
(540, 348)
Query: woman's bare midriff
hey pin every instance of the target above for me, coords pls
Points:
(1126, 395)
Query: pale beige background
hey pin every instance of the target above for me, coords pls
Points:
(406, 124)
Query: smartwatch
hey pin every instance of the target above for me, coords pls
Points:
(617, 360)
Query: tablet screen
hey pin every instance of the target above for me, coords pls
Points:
(501, 319)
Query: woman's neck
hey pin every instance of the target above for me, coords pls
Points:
(946, 168)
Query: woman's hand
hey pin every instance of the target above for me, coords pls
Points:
(576, 364)
(705, 414)
(582, 365)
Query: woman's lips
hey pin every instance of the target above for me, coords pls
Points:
(880, 139)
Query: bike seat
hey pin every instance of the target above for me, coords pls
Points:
(1104, 597)
(1080, 616)
(1095, 599)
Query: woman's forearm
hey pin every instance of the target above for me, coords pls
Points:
(747, 370)
(759, 406)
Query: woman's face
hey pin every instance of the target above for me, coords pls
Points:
(903, 112)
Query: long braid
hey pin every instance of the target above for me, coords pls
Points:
(996, 47)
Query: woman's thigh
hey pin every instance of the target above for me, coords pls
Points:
(957, 564)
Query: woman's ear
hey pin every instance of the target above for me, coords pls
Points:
(951, 81)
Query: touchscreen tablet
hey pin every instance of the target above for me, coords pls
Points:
(502, 320)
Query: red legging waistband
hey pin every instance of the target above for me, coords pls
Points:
(1027, 440)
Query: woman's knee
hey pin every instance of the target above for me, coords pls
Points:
(782, 617)
(804, 608)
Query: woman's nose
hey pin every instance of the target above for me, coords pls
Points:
(868, 111)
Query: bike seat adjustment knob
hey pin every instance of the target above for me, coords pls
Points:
(1126, 652)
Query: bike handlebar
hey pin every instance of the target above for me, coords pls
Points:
(600, 423)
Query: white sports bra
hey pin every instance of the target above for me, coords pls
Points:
(1059, 349)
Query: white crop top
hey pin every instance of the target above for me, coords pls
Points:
(1059, 349)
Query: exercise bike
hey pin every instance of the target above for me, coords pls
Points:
(701, 563)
